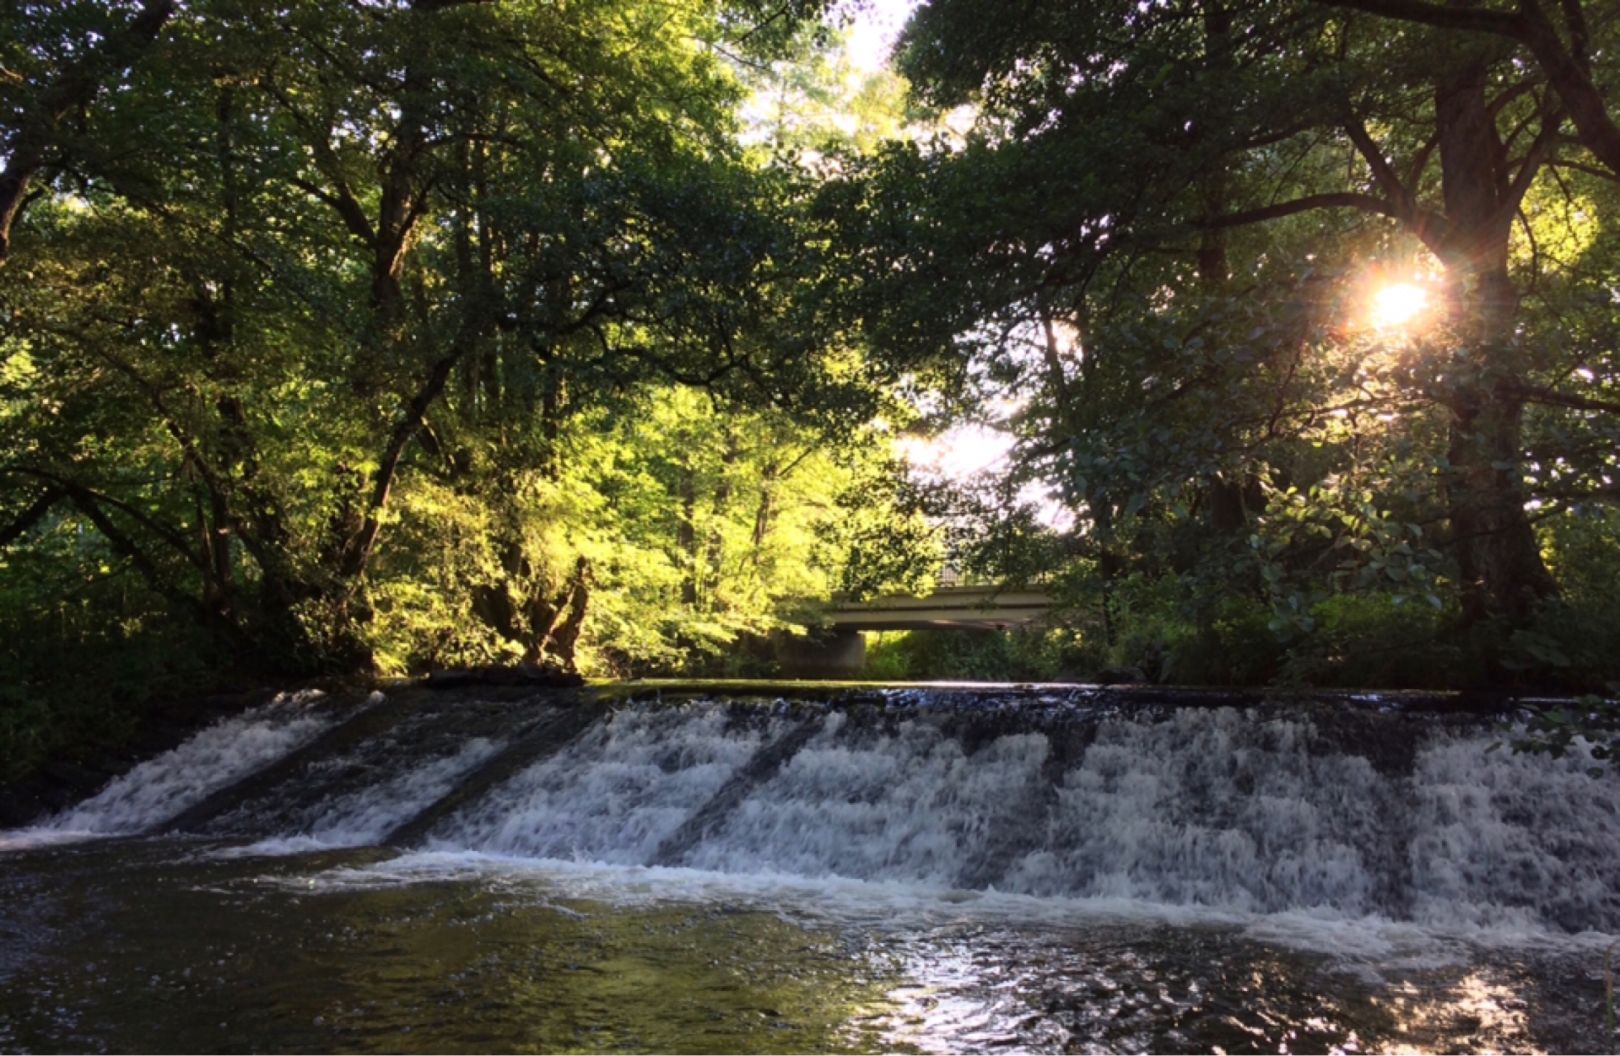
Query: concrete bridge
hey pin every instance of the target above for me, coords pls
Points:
(836, 648)
(958, 607)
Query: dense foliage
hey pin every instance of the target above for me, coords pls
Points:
(380, 336)
(1160, 241)
(377, 335)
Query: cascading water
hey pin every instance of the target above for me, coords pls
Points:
(614, 794)
(1294, 818)
(1257, 809)
(1246, 810)
(160, 788)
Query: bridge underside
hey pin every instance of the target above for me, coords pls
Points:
(934, 621)
(950, 608)
(835, 648)
(823, 653)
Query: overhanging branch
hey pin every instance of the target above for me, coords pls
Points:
(1367, 203)
(1553, 398)
(35, 513)
(26, 146)
(1567, 70)
(1469, 18)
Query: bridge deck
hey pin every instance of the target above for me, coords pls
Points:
(963, 608)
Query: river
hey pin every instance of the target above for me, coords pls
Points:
(1060, 871)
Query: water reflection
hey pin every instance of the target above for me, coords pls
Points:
(1480, 1012)
(159, 947)
(1179, 989)
(205, 957)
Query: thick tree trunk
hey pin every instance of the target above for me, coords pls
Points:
(565, 638)
(1503, 575)
(1497, 554)
(1498, 557)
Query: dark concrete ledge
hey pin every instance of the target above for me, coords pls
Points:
(1126, 696)
(534, 675)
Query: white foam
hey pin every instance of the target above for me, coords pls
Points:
(38, 836)
(618, 792)
(907, 806)
(162, 787)
(903, 907)
(1221, 809)
(275, 847)
(1213, 807)
(368, 814)
(1502, 838)
(1243, 815)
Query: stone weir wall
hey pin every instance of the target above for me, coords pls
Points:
(1401, 806)
(80, 771)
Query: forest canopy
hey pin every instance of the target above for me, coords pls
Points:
(348, 336)
(385, 336)
(1168, 234)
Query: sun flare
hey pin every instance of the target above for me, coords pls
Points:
(1398, 304)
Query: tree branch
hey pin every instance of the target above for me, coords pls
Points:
(1553, 398)
(1567, 70)
(35, 513)
(1468, 18)
(356, 550)
(79, 493)
(27, 145)
(1609, 493)
(1572, 80)
(1383, 172)
(1533, 160)
(86, 502)
(1367, 203)
(344, 204)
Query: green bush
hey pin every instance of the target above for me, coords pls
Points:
(73, 698)
(1024, 655)
(1376, 641)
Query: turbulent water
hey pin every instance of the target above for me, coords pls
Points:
(1067, 870)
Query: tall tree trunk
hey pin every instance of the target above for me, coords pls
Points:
(1498, 558)
(551, 412)
(714, 548)
(686, 537)
(573, 607)
(1096, 499)
(764, 513)
(1497, 554)
(1229, 510)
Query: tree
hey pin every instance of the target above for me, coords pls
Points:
(304, 259)
(1143, 161)
(1561, 43)
(61, 57)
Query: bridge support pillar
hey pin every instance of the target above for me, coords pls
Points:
(823, 653)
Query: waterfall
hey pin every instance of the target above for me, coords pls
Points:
(1351, 810)
(221, 754)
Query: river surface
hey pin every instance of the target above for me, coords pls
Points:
(525, 905)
